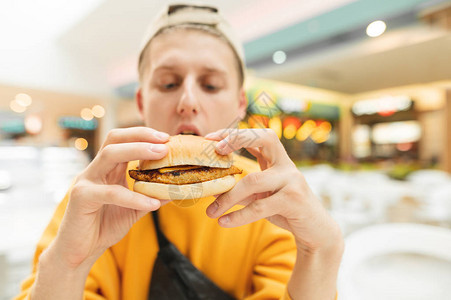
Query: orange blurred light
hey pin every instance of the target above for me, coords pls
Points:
(256, 121)
(81, 144)
(242, 125)
(276, 125)
(305, 130)
(320, 136)
(291, 121)
(289, 132)
(98, 111)
(404, 146)
(86, 114)
(326, 126)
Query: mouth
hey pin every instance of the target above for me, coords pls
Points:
(188, 129)
(188, 133)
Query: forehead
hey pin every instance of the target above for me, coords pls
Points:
(190, 48)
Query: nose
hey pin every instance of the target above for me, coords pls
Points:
(188, 104)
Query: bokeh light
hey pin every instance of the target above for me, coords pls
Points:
(16, 107)
(81, 144)
(98, 111)
(376, 28)
(23, 99)
(33, 124)
(86, 114)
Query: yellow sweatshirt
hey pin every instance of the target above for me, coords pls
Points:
(249, 262)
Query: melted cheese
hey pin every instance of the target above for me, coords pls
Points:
(178, 168)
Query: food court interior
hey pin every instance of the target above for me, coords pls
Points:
(358, 91)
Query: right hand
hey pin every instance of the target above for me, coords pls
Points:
(101, 208)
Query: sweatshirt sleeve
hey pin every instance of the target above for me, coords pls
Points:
(274, 263)
(103, 279)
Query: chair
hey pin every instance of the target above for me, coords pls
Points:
(384, 246)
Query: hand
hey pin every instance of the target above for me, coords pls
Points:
(101, 208)
(279, 193)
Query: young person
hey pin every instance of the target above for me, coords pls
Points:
(102, 243)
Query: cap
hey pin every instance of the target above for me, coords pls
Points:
(178, 14)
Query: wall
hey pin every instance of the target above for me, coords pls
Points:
(52, 105)
(127, 113)
(430, 102)
(448, 132)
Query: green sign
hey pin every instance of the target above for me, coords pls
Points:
(77, 123)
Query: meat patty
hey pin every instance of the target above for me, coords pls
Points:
(183, 176)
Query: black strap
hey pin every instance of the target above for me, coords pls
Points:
(162, 240)
(175, 277)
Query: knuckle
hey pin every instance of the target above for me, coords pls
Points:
(253, 178)
(78, 191)
(295, 189)
(110, 193)
(259, 207)
(107, 151)
(292, 190)
(225, 198)
(271, 134)
(297, 176)
(112, 135)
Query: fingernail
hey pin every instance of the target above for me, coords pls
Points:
(209, 135)
(158, 148)
(224, 219)
(212, 208)
(154, 202)
(162, 135)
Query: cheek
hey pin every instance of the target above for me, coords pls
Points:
(156, 110)
(223, 112)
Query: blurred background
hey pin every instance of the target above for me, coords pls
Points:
(359, 93)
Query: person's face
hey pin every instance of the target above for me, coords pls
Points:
(190, 84)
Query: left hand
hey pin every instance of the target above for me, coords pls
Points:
(279, 193)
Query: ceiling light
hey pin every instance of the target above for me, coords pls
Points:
(33, 124)
(81, 144)
(376, 28)
(16, 107)
(279, 57)
(86, 114)
(23, 99)
(98, 111)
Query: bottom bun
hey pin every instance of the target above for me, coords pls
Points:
(185, 191)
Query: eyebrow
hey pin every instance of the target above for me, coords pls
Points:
(165, 67)
(214, 70)
(171, 67)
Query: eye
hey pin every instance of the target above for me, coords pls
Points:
(169, 86)
(167, 82)
(210, 87)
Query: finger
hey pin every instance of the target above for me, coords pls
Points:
(135, 134)
(259, 209)
(115, 195)
(254, 151)
(224, 132)
(254, 183)
(113, 154)
(216, 135)
(267, 140)
(257, 153)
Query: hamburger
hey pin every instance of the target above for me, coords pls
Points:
(191, 170)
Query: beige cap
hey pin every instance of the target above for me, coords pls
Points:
(178, 14)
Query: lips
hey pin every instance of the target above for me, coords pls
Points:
(188, 129)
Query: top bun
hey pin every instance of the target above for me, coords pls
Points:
(189, 150)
